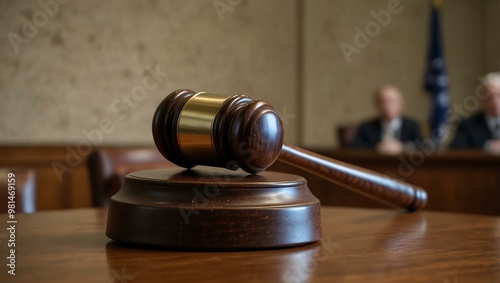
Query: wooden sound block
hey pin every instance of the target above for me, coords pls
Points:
(211, 208)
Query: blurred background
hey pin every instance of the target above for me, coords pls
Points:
(65, 78)
(79, 71)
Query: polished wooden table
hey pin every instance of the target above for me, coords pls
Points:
(359, 245)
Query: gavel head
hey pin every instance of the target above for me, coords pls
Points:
(201, 128)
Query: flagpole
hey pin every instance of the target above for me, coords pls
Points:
(436, 79)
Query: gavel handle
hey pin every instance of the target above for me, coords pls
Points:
(371, 184)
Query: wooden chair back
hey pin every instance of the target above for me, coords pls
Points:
(108, 167)
(17, 190)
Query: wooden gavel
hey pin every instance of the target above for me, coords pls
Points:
(234, 132)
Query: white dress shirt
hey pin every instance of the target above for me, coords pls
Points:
(391, 129)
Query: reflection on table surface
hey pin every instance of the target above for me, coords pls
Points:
(359, 245)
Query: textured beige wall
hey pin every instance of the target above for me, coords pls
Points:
(78, 69)
(492, 25)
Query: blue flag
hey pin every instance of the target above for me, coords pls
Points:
(436, 81)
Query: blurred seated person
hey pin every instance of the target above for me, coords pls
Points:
(482, 130)
(390, 133)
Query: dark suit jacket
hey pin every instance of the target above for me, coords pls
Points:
(370, 133)
(472, 132)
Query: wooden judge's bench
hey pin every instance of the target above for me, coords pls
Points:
(456, 181)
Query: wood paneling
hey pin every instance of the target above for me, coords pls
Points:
(458, 181)
(461, 181)
(70, 191)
